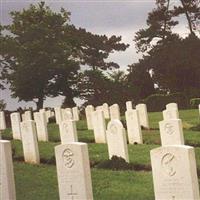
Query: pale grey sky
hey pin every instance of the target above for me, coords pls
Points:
(98, 16)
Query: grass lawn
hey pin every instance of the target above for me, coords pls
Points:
(39, 182)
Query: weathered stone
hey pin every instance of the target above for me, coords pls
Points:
(29, 142)
(15, 125)
(2, 121)
(114, 112)
(133, 127)
(129, 105)
(171, 113)
(58, 114)
(99, 126)
(73, 171)
(172, 105)
(28, 115)
(41, 126)
(67, 114)
(7, 182)
(75, 113)
(174, 173)
(116, 140)
(68, 132)
(143, 115)
(106, 111)
(88, 112)
(171, 132)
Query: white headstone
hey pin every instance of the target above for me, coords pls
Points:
(23, 117)
(73, 171)
(99, 108)
(116, 140)
(2, 121)
(7, 182)
(29, 142)
(58, 114)
(129, 105)
(15, 125)
(88, 112)
(114, 112)
(41, 126)
(172, 105)
(143, 115)
(171, 113)
(48, 115)
(106, 111)
(99, 126)
(67, 114)
(75, 113)
(28, 115)
(133, 127)
(174, 173)
(68, 132)
(171, 132)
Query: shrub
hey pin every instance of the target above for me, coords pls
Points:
(157, 102)
(195, 102)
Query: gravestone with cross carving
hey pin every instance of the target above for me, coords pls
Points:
(171, 132)
(174, 173)
(133, 127)
(116, 140)
(29, 142)
(73, 171)
(7, 182)
(15, 125)
(68, 131)
(99, 126)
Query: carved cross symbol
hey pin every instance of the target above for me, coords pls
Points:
(72, 194)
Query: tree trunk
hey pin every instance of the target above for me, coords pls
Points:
(188, 17)
(40, 102)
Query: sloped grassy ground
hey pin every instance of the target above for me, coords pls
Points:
(134, 181)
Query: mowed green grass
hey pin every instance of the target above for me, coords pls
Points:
(39, 182)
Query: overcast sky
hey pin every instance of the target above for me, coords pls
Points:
(98, 16)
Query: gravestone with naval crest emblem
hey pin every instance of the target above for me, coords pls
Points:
(73, 171)
(174, 173)
(171, 132)
(68, 132)
(116, 140)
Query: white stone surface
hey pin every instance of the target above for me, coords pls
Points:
(143, 115)
(48, 115)
(41, 126)
(171, 132)
(172, 105)
(7, 182)
(23, 117)
(58, 114)
(75, 113)
(68, 131)
(28, 115)
(67, 114)
(174, 173)
(129, 105)
(116, 140)
(171, 113)
(88, 112)
(2, 121)
(15, 125)
(99, 126)
(114, 112)
(133, 127)
(73, 171)
(29, 142)
(106, 111)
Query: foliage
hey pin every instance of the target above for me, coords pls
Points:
(157, 102)
(195, 102)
